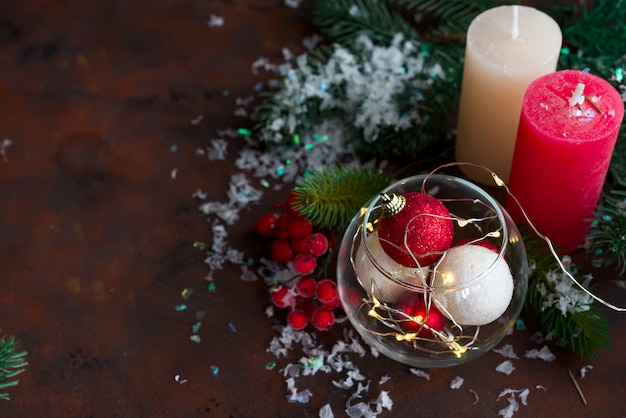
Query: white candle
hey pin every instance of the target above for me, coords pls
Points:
(508, 47)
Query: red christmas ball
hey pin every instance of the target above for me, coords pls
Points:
(420, 226)
(422, 317)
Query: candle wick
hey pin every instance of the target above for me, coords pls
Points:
(515, 24)
(578, 96)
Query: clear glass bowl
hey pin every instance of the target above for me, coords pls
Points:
(451, 311)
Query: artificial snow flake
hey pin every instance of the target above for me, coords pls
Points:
(420, 373)
(584, 370)
(6, 142)
(199, 194)
(293, 3)
(457, 382)
(196, 120)
(326, 412)
(506, 367)
(218, 149)
(215, 21)
(506, 351)
(513, 404)
(544, 354)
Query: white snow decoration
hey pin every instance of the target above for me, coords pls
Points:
(197, 120)
(420, 373)
(215, 21)
(326, 412)
(229, 132)
(174, 173)
(244, 101)
(247, 275)
(544, 354)
(311, 42)
(506, 351)
(457, 382)
(6, 143)
(384, 400)
(506, 367)
(584, 370)
(199, 194)
(293, 3)
(262, 63)
(476, 398)
(218, 149)
(560, 291)
(513, 404)
(295, 395)
(384, 379)
(240, 112)
(374, 352)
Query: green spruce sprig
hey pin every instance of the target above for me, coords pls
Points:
(12, 363)
(583, 331)
(608, 234)
(342, 21)
(331, 197)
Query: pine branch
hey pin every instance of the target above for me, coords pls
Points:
(609, 229)
(342, 21)
(332, 196)
(12, 363)
(599, 31)
(583, 331)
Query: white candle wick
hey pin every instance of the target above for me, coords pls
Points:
(577, 95)
(515, 24)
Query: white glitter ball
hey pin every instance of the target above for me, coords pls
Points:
(374, 281)
(483, 300)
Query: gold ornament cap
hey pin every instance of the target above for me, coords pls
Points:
(392, 204)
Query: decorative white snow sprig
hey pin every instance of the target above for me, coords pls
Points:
(362, 89)
(558, 290)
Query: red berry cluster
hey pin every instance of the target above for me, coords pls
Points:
(295, 243)
(309, 301)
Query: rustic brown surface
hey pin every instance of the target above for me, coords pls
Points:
(96, 238)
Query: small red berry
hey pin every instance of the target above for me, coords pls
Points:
(282, 296)
(297, 319)
(289, 203)
(300, 303)
(281, 252)
(265, 226)
(322, 318)
(282, 226)
(299, 227)
(306, 287)
(331, 304)
(317, 244)
(299, 246)
(326, 291)
(304, 264)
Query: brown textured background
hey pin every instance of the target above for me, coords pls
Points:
(96, 238)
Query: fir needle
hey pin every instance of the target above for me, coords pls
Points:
(580, 392)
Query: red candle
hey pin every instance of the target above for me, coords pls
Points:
(566, 135)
